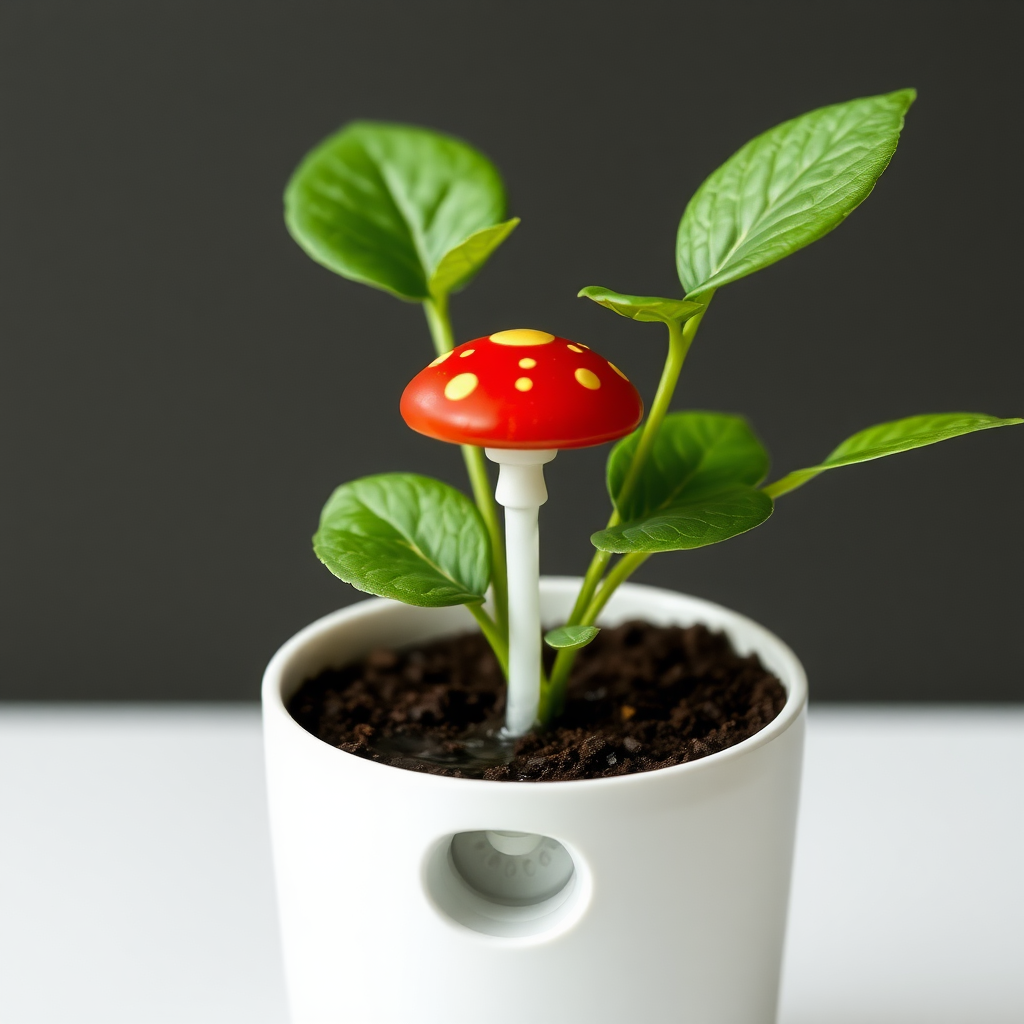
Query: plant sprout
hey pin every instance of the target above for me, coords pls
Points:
(418, 214)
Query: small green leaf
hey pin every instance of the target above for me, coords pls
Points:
(383, 204)
(569, 638)
(645, 308)
(694, 454)
(692, 524)
(460, 265)
(786, 189)
(406, 537)
(890, 438)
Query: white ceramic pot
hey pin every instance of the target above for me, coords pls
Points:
(675, 903)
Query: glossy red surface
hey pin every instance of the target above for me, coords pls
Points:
(555, 403)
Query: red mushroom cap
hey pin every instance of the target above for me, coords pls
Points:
(522, 389)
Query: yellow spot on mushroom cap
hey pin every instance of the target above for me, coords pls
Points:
(618, 371)
(441, 358)
(524, 384)
(575, 348)
(468, 352)
(522, 337)
(460, 386)
(587, 378)
(527, 363)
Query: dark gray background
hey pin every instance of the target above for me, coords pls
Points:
(182, 387)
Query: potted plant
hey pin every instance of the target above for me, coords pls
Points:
(614, 839)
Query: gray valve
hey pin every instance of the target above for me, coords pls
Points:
(514, 868)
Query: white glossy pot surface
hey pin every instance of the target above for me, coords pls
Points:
(675, 907)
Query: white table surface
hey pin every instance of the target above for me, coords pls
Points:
(135, 878)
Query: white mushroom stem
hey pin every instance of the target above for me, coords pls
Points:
(521, 490)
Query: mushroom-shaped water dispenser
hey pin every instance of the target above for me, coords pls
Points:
(522, 395)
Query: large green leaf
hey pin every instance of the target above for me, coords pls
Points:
(694, 454)
(645, 308)
(383, 204)
(786, 188)
(890, 438)
(691, 524)
(406, 537)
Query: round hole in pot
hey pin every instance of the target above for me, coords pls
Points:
(507, 884)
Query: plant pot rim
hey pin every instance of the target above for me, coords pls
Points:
(785, 665)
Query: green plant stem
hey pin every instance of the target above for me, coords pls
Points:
(483, 493)
(620, 572)
(595, 571)
(679, 342)
(590, 600)
(440, 325)
(495, 637)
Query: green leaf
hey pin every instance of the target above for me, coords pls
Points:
(786, 189)
(694, 454)
(406, 537)
(570, 638)
(383, 204)
(460, 265)
(890, 438)
(691, 524)
(645, 308)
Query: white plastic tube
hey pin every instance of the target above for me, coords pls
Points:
(521, 491)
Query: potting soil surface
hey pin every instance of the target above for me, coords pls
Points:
(640, 697)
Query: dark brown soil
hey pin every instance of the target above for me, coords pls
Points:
(641, 697)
